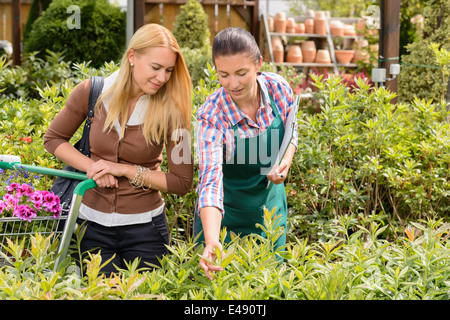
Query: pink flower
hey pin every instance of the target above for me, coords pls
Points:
(50, 197)
(21, 201)
(11, 200)
(12, 187)
(26, 189)
(56, 210)
(37, 198)
(3, 206)
(24, 212)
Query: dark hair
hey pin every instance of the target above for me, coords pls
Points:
(234, 40)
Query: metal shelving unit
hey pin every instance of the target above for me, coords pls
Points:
(329, 38)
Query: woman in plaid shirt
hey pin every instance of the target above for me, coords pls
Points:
(241, 127)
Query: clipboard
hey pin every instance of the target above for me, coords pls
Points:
(288, 134)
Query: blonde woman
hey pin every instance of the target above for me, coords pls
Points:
(141, 105)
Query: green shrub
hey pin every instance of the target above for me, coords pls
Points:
(196, 61)
(36, 9)
(191, 26)
(99, 37)
(363, 156)
(420, 75)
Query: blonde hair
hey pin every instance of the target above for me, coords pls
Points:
(168, 109)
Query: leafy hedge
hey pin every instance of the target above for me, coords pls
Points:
(356, 266)
(420, 75)
(365, 157)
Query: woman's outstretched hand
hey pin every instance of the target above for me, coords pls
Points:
(208, 256)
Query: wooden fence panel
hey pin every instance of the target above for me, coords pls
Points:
(6, 18)
(221, 14)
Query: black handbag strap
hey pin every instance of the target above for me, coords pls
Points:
(96, 89)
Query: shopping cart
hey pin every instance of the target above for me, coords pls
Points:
(15, 227)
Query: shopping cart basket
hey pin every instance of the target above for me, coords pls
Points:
(15, 228)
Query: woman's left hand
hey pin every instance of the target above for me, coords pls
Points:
(104, 173)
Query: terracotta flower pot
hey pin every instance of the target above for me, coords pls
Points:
(280, 22)
(309, 44)
(360, 44)
(300, 28)
(349, 30)
(361, 51)
(294, 54)
(337, 28)
(346, 77)
(344, 56)
(278, 55)
(319, 15)
(270, 23)
(323, 56)
(277, 50)
(277, 43)
(320, 26)
(309, 25)
(360, 27)
(309, 51)
(290, 25)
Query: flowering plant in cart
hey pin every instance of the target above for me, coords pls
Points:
(23, 202)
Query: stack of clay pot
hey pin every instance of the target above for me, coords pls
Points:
(320, 23)
(349, 30)
(280, 22)
(294, 54)
(277, 49)
(308, 51)
(323, 56)
(361, 51)
(309, 25)
(336, 28)
(300, 28)
(290, 25)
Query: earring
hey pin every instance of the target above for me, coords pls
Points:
(131, 64)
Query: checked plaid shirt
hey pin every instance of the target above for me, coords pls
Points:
(216, 118)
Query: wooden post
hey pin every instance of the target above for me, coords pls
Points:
(255, 21)
(139, 13)
(16, 32)
(389, 39)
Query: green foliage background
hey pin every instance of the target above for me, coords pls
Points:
(100, 38)
(191, 26)
(420, 75)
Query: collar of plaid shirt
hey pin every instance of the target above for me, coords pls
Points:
(235, 114)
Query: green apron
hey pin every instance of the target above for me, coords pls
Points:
(245, 187)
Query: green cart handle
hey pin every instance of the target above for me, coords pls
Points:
(83, 186)
(43, 170)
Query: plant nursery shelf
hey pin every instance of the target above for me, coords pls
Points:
(323, 38)
(308, 35)
(206, 2)
(314, 64)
